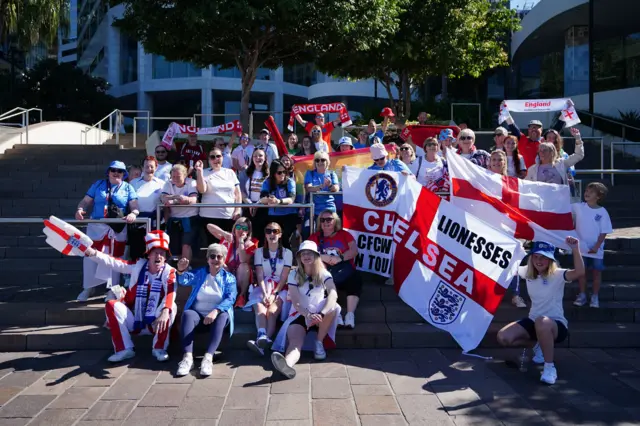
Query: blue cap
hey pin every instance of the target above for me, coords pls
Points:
(118, 165)
(544, 249)
(445, 134)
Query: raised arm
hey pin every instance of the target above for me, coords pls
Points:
(201, 185)
(110, 262)
(578, 262)
(299, 119)
(220, 234)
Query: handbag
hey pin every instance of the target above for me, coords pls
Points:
(341, 272)
(113, 211)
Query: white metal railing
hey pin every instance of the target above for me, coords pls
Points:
(115, 120)
(613, 145)
(24, 114)
(623, 126)
(149, 119)
(195, 117)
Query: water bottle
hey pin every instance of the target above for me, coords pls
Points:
(524, 361)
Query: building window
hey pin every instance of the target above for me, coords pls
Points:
(96, 61)
(608, 65)
(165, 69)
(632, 59)
(128, 59)
(304, 75)
(262, 74)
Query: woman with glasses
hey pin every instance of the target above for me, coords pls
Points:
(273, 263)
(499, 136)
(242, 154)
(515, 161)
(251, 181)
(182, 222)
(434, 174)
(292, 144)
(210, 305)
(338, 250)
(467, 149)
(307, 147)
(287, 162)
(313, 310)
(218, 186)
(280, 189)
(321, 179)
(551, 168)
(381, 160)
(111, 197)
(408, 157)
(316, 138)
(240, 249)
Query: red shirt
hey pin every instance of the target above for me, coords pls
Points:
(335, 245)
(528, 149)
(326, 131)
(191, 154)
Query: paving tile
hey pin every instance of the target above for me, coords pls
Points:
(328, 369)
(288, 407)
(110, 410)
(15, 422)
(200, 408)
(366, 376)
(191, 422)
(22, 378)
(8, 392)
(334, 412)
(241, 417)
(515, 411)
(376, 404)
(209, 387)
(130, 387)
(25, 406)
(223, 371)
(78, 398)
(99, 423)
(423, 409)
(306, 422)
(247, 398)
(151, 416)
(330, 388)
(100, 376)
(57, 417)
(406, 385)
(165, 395)
(299, 384)
(252, 375)
(383, 420)
(371, 390)
(170, 378)
(48, 387)
(456, 400)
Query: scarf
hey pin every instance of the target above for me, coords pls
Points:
(316, 108)
(175, 128)
(147, 301)
(565, 105)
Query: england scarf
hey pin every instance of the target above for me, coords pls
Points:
(317, 108)
(175, 128)
(147, 300)
(568, 115)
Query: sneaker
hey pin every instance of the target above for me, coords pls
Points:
(340, 321)
(549, 375)
(184, 367)
(538, 357)
(581, 300)
(206, 367)
(595, 301)
(518, 302)
(122, 355)
(350, 320)
(319, 352)
(280, 364)
(160, 354)
(253, 345)
(85, 295)
(240, 301)
(263, 341)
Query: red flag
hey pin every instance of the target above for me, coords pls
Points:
(276, 136)
(419, 132)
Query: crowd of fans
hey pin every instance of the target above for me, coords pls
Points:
(267, 261)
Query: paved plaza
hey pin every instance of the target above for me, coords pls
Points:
(352, 387)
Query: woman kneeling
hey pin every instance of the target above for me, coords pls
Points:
(211, 302)
(546, 323)
(313, 308)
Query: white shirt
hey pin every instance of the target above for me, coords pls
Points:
(322, 146)
(546, 295)
(254, 185)
(243, 155)
(311, 297)
(188, 189)
(209, 296)
(163, 171)
(148, 193)
(419, 151)
(286, 261)
(511, 168)
(431, 171)
(590, 223)
(221, 189)
(227, 162)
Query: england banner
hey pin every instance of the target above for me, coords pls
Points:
(568, 115)
(176, 129)
(448, 265)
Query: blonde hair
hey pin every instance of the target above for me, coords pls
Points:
(532, 272)
(336, 220)
(413, 150)
(548, 145)
(179, 167)
(322, 155)
(600, 189)
(318, 269)
(501, 153)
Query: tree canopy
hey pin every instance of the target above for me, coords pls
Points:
(28, 22)
(252, 34)
(455, 38)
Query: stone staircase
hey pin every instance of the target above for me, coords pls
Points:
(38, 285)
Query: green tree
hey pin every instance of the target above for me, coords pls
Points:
(252, 34)
(454, 38)
(64, 92)
(28, 22)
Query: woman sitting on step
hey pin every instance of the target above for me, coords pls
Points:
(312, 320)
(209, 305)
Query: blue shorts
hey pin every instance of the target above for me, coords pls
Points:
(593, 263)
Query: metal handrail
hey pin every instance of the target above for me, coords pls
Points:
(195, 117)
(98, 124)
(295, 122)
(144, 220)
(10, 111)
(25, 119)
(600, 117)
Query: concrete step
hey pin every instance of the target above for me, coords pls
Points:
(611, 258)
(45, 252)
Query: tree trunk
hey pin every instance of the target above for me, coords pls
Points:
(406, 85)
(248, 77)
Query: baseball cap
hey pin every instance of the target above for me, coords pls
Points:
(265, 131)
(501, 131)
(345, 140)
(535, 123)
(545, 249)
(445, 134)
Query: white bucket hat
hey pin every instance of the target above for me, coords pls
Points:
(378, 151)
(309, 245)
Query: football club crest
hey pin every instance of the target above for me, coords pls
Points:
(445, 304)
(598, 217)
(381, 189)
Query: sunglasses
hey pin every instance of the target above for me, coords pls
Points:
(319, 116)
(161, 152)
(378, 159)
(497, 134)
(316, 132)
(244, 138)
(213, 157)
(242, 228)
(270, 231)
(216, 257)
(466, 138)
(326, 219)
(111, 170)
(223, 144)
(431, 144)
(404, 148)
(280, 172)
(320, 160)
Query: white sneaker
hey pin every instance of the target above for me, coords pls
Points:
(280, 364)
(340, 321)
(263, 342)
(85, 295)
(160, 354)
(122, 355)
(518, 302)
(184, 367)
(581, 300)
(538, 357)
(206, 367)
(595, 301)
(319, 352)
(350, 320)
(251, 344)
(549, 375)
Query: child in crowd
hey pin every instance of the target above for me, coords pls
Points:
(133, 172)
(592, 225)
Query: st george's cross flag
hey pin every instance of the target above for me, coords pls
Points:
(534, 211)
(449, 266)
